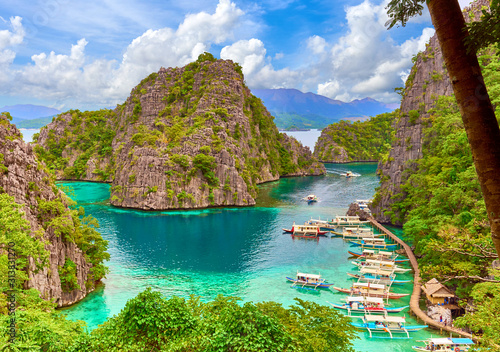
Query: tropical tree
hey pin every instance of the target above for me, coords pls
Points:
(480, 123)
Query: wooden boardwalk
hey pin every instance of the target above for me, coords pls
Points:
(417, 286)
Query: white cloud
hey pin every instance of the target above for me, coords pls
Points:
(9, 39)
(329, 89)
(258, 71)
(365, 61)
(316, 44)
(74, 78)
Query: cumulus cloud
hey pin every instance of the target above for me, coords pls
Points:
(258, 71)
(9, 39)
(365, 61)
(75, 78)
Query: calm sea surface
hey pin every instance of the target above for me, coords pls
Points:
(231, 251)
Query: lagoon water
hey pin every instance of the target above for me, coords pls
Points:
(231, 251)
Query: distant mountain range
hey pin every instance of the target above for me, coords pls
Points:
(293, 109)
(30, 116)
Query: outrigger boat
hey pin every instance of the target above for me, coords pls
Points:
(380, 264)
(356, 233)
(371, 290)
(323, 224)
(363, 204)
(374, 243)
(387, 324)
(348, 220)
(378, 255)
(360, 304)
(309, 280)
(349, 174)
(377, 276)
(448, 344)
(311, 198)
(308, 231)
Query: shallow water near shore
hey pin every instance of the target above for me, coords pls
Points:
(232, 251)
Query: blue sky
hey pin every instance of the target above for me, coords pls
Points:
(90, 54)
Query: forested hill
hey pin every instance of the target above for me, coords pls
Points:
(346, 141)
(189, 137)
(430, 186)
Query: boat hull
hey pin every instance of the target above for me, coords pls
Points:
(309, 284)
(378, 328)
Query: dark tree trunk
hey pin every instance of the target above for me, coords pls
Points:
(475, 106)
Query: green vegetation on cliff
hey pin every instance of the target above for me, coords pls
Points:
(444, 214)
(88, 135)
(362, 141)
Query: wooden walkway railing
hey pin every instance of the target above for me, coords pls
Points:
(417, 286)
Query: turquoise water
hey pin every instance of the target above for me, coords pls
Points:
(230, 251)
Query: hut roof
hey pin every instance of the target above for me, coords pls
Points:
(436, 289)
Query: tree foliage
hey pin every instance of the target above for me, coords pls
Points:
(486, 31)
(362, 140)
(151, 322)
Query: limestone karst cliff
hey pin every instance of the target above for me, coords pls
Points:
(189, 137)
(70, 273)
(427, 81)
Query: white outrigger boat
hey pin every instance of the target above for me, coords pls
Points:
(309, 280)
(365, 305)
(378, 255)
(449, 344)
(323, 224)
(377, 276)
(349, 174)
(388, 324)
(349, 233)
(311, 198)
(380, 264)
(371, 290)
(374, 243)
(347, 220)
(306, 231)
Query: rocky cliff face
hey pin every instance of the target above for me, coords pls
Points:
(189, 137)
(428, 80)
(328, 151)
(25, 179)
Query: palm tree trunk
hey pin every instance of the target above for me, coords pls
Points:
(477, 112)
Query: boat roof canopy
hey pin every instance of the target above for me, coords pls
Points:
(388, 318)
(368, 251)
(365, 299)
(373, 239)
(364, 270)
(366, 284)
(309, 276)
(376, 261)
(453, 340)
(386, 253)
